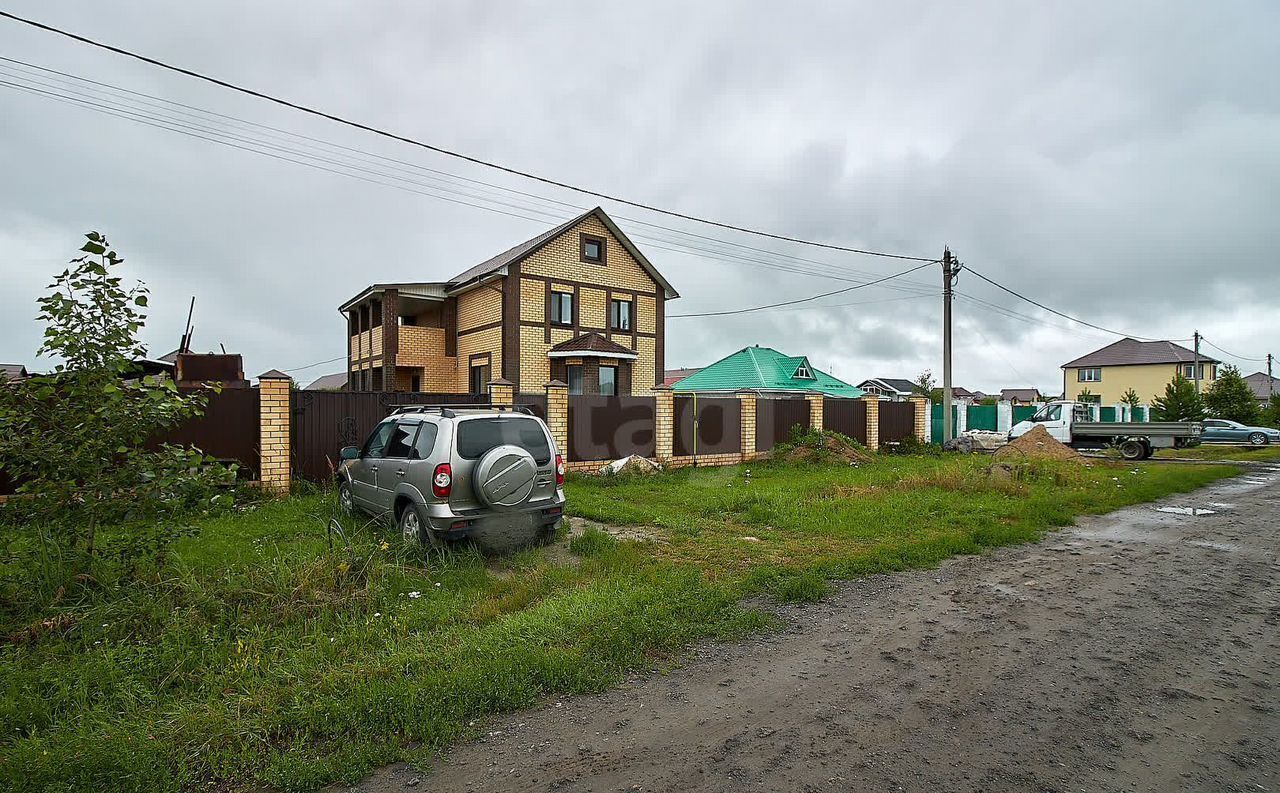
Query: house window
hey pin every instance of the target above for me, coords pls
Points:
(1089, 375)
(1189, 370)
(573, 373)
(479, 378)
(620, 314)
(608, 381)
(592, 249)
(561, 308)
(803, 373)
(415, 382)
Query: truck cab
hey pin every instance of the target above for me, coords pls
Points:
(1056, 417)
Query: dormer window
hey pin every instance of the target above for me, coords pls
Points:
(803, 372)
(592, 248)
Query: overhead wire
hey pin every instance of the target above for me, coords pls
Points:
(441, 149)
(800, 300)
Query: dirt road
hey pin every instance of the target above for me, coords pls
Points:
(1138, 651)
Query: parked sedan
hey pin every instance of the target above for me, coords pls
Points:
(1227, 431)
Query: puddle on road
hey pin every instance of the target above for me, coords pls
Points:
(1215, 546)
(1195, 511)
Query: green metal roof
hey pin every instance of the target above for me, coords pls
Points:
(764, 368)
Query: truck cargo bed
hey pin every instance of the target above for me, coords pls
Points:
(1110, 429)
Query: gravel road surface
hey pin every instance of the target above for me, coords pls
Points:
(1136, 651)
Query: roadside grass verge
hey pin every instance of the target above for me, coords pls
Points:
(1214, 452)
(264, 656)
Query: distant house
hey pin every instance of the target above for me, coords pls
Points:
(764, 369)
(891, 388)
(1144, 366)
(673, 376)
(1021, 396)
(329, 382)
(1258, 384)
(13, 371)
(958, 392)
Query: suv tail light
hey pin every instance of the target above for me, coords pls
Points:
(559, 470)
(442, 481)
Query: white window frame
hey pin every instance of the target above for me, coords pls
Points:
(1083, 374)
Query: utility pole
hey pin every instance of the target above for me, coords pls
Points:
(1195, 370)
(1271, 391)
(947, 281)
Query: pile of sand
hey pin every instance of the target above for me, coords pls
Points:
(1039, 444)
(831, 448)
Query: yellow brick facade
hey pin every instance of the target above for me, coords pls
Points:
(479, 306)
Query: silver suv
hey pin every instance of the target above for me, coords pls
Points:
(445, 473)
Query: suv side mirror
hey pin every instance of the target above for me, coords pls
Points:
(350, 453)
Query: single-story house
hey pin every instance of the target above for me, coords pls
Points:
(13, 371)
(766, 370)
(673, 376)
(895, 389)
(1021, 396)
(1260, 387)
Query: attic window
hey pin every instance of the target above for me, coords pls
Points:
(592, 248)
(803, 373)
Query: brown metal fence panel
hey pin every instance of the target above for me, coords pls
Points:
(897, 421)
(606, 428)
(776, 417)
(326, 421)
(847, 417)
(717, 426)
(228, 430)
(535, 402)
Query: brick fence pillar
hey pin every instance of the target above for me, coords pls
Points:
(558, 414)
(503, 392)
(274, 423)
(921, 406)
(747, 406)
(815, 411)
(873, 422)
(664, 422)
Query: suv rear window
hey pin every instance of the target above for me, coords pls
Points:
(477, 436)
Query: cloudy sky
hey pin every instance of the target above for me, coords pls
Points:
(1119, 162)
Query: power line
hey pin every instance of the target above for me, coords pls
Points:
(801, 300)
(1231, 354)
(186, 127)
(441, 150)
(317, 363)
(1054, 310)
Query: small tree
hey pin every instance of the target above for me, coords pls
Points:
(925, 382)
(1086, 395)
(1180, 402)
(75, 438)
(1230, 397)
(1131, 398)
(1271, 413)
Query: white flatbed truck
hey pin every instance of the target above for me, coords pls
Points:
(1069, 422)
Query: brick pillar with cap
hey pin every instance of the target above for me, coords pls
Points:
(747, 412)
(558, 414)
(502, 392)
(921, 424)
(815, 411)
(664, 422)
(873, 422)
(274, 427)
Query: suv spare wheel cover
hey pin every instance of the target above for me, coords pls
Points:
(505, 476)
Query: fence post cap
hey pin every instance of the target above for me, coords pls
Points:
(662, 387)
(274, 374)
(500, 381)
(741, 392)
(556, 384)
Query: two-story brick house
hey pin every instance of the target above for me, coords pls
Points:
(578, 303)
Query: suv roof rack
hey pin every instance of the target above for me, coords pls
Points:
(448, 410)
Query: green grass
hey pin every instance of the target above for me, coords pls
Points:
(1213, 452)
(263, 657)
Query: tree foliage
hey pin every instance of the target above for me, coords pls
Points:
(1180, 402)
(1230, 397)
(1131, 398)
(1271, 413)
(75, 439)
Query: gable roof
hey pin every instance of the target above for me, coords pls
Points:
(1258, 384)
(529, 247)
(12, 371)
(590, 344)
(1022, 394)
(764, 369)
(1131, 352)
(329, 382)
(898, 384)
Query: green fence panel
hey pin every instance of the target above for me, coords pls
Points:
(935, 421)
(1023, 412)
(982, 417)
(1107, 413)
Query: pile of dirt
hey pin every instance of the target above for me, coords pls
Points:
(826, 448)
(1038, 444)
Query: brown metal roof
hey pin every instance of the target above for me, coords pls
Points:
(1131, 352)
(1023, 394)
(592, 342)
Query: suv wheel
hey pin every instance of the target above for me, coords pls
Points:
(345, 501)
(415, 529)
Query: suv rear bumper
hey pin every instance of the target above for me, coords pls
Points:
(450, 524)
